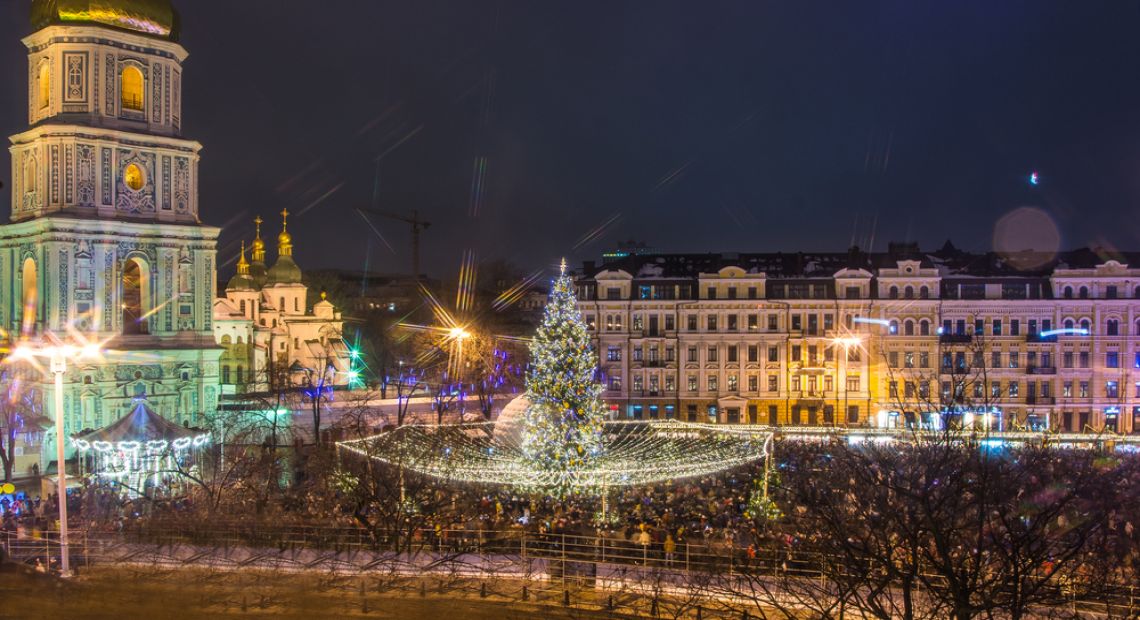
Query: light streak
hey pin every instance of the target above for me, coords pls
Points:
(883, 322)
(1068, 331)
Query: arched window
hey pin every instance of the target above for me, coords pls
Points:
(240, 340)
(30, 294)
(894, 292)
(1112, 327)
(1085, 324)
(924, 293)
(226, 373)
(1068, 292)
(45, 83)
(243, 307)
(924, 328)
(1068, 323)
(908, 292)
(281, 306)
(1084, 292)
(226, 340)
(894, 328)
(135, 294)
(908, 327)
(1136, 292)
(132, 88)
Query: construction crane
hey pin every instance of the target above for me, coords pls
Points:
(417, 226)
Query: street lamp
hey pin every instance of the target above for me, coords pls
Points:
(58, 354)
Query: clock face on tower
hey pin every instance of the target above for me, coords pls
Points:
(133, 177)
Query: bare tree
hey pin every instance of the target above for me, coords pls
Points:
(20, 408)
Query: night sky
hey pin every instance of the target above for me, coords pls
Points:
(692, 126)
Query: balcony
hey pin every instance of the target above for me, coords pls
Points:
(1042, 370)
(955, 338)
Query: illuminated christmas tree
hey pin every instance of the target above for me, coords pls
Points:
(563, 429)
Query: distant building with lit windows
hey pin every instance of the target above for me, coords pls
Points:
(889, 339)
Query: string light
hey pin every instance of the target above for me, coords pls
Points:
(565, 446)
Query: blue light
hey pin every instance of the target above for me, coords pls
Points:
(883, 322)
(1068, 331)
(1034, 178)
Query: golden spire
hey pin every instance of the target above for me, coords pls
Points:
(563, 266)
(284, 241)
(242, 266)
(258, 244)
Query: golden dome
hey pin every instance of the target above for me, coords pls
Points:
(284, 240)
(258, 244)
(151, 17)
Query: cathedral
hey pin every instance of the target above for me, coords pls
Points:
(105, 239)
(268, 337)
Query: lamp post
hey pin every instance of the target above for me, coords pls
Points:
(58, 355)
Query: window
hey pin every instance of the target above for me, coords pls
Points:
(908, 359)
(733, 383)
(1112, 359)
(752, 293)
(979, 327)
(711, 292)
(995, 389)
(893, 359)
(853, 383)
(1084, 359)
(1084, 387)
(1013, 359)
(1111, 389)
(924, 359)
(1014, 389)
(732, 353)
(753, 322)
(1067, 389)
(773, 323)
(924, 328)
(45, 83)
(797, 353)
(692, 383)
(226, 373)
(637, 354)
(732, 322)
(638, 384)
(908, 292)
(1085, 325)
(893, 389)
(754, 353)
(1084, 292)
(797, 323)
(732, 292)
(1136, 359)
(996, 327)
(613, 292)
(1110, 292)
(908, 327)
(670, 383)
(711, 354)
(712, 383)
(1112, 327)
(692, 322)
(711, 321)
(615, 383)
(132, 88)
(692, 355)
(894, 292)
(613, 354)
(1067, 359)
(1068, 292)
(773, 383)
(773, 354)
(240, 374)
(1014, 327)
(753, 383)
(995, 359)
(670, 323)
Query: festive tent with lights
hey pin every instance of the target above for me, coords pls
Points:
(556, 439)
(140, 450)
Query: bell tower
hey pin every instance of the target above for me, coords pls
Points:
(105, 236)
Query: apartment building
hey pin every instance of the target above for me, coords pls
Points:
(889, 339)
